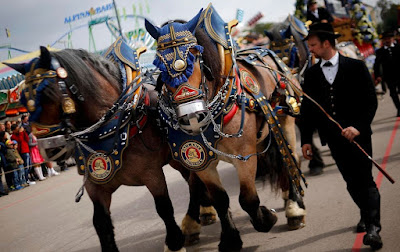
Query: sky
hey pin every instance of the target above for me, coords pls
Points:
(42, 22)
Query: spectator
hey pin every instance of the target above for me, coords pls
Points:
(22, 138)
(8, 129)
(318, 14)
(3, 163)
(36, 158)
(25, 123)
(387, 63)
(14, 160)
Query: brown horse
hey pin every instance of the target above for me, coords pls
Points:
(73, 95)
(199, 96)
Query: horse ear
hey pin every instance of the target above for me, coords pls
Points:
(45, 58)
(193, 22)
(17, 67)
(153, 30)
(287, 33)
(269, 35)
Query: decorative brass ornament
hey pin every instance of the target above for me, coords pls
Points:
(179, 65)
(116, 162)
(31, 105)
(61, 72)
(69, 106)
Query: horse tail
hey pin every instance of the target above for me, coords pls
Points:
(270, 167)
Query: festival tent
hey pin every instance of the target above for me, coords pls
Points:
(11, 85)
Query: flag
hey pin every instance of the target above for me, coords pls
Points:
(8, 33)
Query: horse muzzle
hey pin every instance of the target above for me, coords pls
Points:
(56, 148)
(192, 116)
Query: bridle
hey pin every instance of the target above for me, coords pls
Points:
(54, 136)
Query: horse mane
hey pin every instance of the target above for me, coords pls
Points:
(80, 64)
(210, 55)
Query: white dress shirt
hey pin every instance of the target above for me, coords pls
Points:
(331, 71)
(315, 13)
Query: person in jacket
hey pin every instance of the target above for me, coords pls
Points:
(343, 87)
(387, 63)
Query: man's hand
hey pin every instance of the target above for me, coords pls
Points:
(350, 133)
(307, 151)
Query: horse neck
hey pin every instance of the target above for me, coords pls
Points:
(93, 108)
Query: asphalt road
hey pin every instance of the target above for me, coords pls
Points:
(44, 217)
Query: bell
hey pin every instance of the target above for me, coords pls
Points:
(31, 105)
(179, 64)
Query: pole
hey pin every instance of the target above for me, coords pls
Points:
(119, 23)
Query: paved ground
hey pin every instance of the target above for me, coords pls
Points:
(44, 217)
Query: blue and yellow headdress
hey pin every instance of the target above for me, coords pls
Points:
(173, 58)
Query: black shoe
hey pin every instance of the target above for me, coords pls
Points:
(361, 228)
(372, 238)
(3, 193)
(316, 171)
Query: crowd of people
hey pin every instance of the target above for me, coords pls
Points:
(20, 157)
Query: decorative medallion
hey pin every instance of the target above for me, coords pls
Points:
(61, 72)
(100, 166)
(193, 154)
(185, 92)
(249, 81)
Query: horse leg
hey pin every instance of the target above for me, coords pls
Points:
(199, 206)
(101, 216)
(261, 218)
(294, 206)
(158, 188)
(230, 238)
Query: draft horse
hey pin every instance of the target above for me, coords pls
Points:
(97, 108)
(200, 92)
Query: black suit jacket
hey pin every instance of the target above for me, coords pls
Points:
(322, 13)
(387, 63)
(350, 100)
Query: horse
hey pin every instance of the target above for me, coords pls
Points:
(200, 92)
(78, 103)
(287, 42)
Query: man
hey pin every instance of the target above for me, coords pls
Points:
(387, 65)
(345, 90)
(25, 123)
(318, 15)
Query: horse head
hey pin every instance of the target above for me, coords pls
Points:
(61, 89)
(185, 68)
(287, 41)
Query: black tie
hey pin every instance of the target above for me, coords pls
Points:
(327, 64)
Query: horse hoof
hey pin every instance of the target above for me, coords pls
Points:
(208, 215)
(230, 242)
(269, 218)
(297, 222)
(192, 239)
(166, 249)
(207, 219)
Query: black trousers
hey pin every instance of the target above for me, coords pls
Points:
(356, 170)
(394, 89)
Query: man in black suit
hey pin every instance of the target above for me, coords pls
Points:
(387, 65)
(318, 14)
(345, 90)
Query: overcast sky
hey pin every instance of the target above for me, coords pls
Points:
(32, 23)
